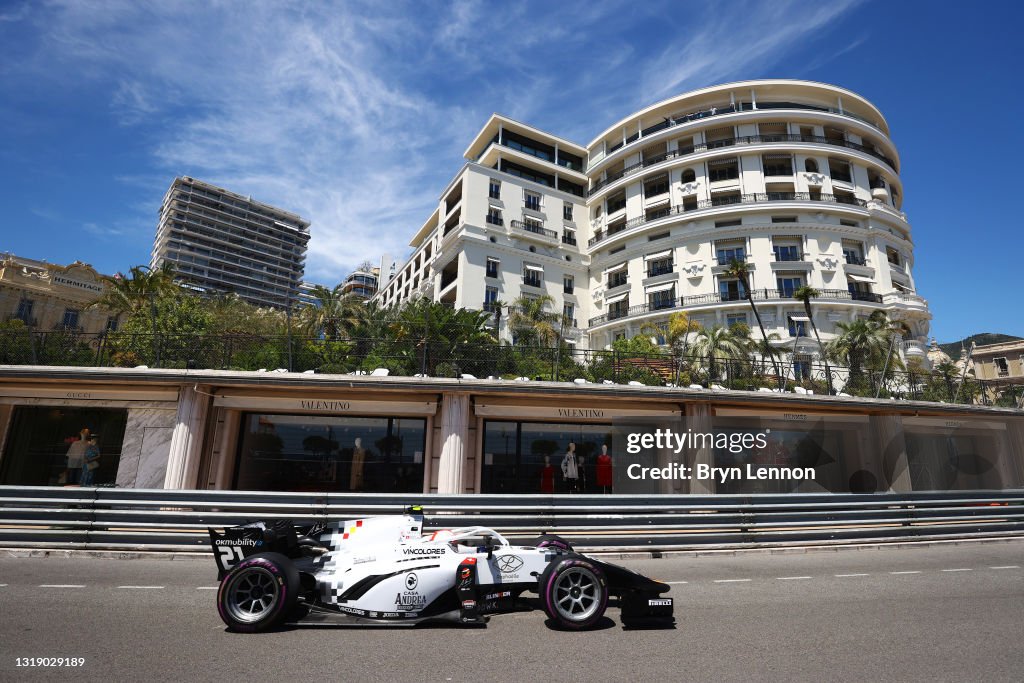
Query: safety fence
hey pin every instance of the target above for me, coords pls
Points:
(177, 520)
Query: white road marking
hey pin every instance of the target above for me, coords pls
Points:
(956, 570)
(731, 580)
(913, 572)
(1007, 566)
(2, 585)
(676, 582)
(844, 576)
(143, 587)
(61, 585)
(790, 578)
(207, 588)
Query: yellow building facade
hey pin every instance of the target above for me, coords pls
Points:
(47, 296)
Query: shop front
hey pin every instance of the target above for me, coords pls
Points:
(337, 453)
(95, 436)
(552, 448)
(327, 443)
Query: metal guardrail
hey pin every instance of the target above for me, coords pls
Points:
(177, 520)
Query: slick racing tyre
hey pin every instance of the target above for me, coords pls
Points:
(552, 541)
(258, 593)
(574, 593)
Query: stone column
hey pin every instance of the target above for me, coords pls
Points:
(698, 420)
(187, 438)
(6, 412)
(454, 442)
(1011, 461)
(892, 445)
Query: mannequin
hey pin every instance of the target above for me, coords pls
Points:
(547, 476)
(604, 470)
(358, 458)
(91, 461)
(76, 457)
(570, 469)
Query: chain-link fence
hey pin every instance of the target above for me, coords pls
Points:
(454, 353)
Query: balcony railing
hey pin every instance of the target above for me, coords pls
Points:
(532, 282)
(655, 270)
(534, 228)
(617, 280)
(787, 256)
(757, 198)
(729, 297)
(855, 260)
(571, 241)
(742, 140)
(495, 220)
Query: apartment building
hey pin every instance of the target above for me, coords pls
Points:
(798, 180)
(221, 242)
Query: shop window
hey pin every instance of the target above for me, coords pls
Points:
(46, 446)
(331, 453)
(526, 457)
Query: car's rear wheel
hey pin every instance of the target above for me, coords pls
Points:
(258, 593)
(574, 593)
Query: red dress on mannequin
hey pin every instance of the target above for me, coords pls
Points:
(547, 479)
(604, 470)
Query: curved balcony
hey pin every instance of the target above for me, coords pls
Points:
(719, 298)
(733, 142)
(757, 198)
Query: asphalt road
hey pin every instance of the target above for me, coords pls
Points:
(947, 613)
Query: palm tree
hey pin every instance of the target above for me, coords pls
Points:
(678, 338)
(334, 315)
(718, 344)
(127, 294)
(860, 342)
(805, 294)
(741, 271)
(530, 320)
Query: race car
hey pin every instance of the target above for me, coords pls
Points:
(387, 570)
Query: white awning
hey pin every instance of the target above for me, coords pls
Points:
(616, 298)
(536, 269)
(902, 288)
(660, 254)
(660, 288)
(800, 318)
(860, 278)
(618, 266)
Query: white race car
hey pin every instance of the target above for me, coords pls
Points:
(387, 570)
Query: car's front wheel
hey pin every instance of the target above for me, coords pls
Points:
(574, 593)
(258, 593)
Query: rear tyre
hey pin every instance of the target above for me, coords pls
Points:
(574, 593)
(258, 593)
(552, 541)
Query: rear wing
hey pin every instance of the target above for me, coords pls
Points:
(236, 543)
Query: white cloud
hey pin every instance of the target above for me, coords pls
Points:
(355, 115)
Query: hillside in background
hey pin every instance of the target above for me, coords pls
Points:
(953, 348)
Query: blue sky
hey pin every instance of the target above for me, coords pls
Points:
(355, 114)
